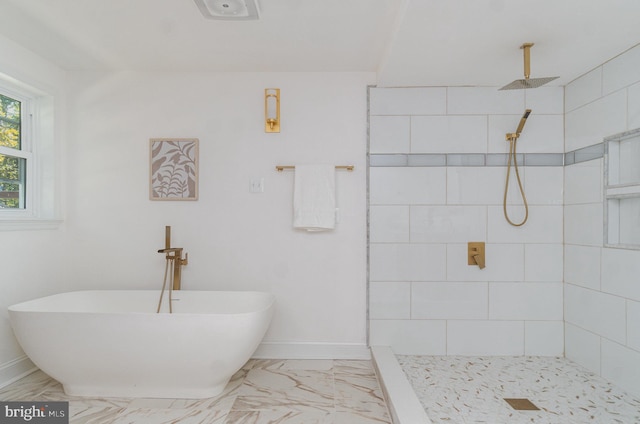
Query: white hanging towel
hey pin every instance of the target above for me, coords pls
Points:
(314, 197)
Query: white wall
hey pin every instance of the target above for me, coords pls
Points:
(29, 260)
(236, 240)
(602, 294)
(424, 298)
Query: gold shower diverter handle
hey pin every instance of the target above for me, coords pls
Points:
(475, 253)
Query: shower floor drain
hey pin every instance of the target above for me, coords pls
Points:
(521, 404)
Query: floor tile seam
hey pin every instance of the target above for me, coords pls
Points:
(284, 408)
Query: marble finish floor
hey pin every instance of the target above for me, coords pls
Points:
(466, 390)
(262, 392)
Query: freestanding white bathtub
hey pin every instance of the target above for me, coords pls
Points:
(114, 344)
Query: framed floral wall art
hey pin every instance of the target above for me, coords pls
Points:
(174, 169)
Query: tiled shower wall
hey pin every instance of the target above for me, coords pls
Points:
(602, 290)
(437, 175)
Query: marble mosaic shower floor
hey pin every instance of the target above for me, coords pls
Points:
(263, 392)
(465, 390)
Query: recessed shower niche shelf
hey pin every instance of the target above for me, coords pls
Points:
(622, 190)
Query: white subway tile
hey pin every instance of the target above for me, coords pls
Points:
(525, 301)
(389, 134)
(583, 182)
(477, 185)
(543, 226)
(589, 124)
(449, 300)
(582, 266)
(583, 90)
(407, 262)
(620, 271)
(409, 337)
(485, 337)
(542, 134)
(389, 223)
(504, 262)
(407, 186)
(408, 101)
(515, 210)
(621, 71)
(583, 224)
(448, 224)
(499, 126)
(582, 347)
(483, 101)
(389, 300)
(633, 324)
(633, 107)
(544, 338)
(545, 100)
(598, 312)
(621, 366)
(543, 262)
(449, 134)
(544, 185)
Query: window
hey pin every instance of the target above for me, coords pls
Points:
(14, 153)
(28, 150)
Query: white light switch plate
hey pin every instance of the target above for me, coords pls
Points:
(257, 185)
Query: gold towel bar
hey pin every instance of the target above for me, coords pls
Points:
(281, 168)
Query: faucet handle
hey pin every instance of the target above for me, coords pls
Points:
(185, 261)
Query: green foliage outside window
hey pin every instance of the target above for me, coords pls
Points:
(11, 168)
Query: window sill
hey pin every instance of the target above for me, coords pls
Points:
(29, 224)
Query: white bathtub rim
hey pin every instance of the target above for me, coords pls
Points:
(23, 307)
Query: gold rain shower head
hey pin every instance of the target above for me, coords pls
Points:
(527, 82)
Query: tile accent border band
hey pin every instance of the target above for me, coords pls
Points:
(595, 151)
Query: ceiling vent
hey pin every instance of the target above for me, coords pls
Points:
(229, 10)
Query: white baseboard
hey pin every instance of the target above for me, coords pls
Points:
(15, 370)
(273, 350)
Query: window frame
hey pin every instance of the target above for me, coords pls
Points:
(41, 210)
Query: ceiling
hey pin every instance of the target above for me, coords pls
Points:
(407, 42)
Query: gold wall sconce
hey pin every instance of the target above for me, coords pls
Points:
(272, 110)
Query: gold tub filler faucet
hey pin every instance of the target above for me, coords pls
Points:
(174, 265)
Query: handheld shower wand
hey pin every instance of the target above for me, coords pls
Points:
(523, 120)
(512, 138)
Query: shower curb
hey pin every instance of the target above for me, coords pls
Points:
(403, 404)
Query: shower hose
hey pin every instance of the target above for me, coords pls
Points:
(512, 156)
(164, 284)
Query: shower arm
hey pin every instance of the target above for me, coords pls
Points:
(527, 59)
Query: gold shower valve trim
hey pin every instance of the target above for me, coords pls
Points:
(476, 253)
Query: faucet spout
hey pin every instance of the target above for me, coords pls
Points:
(171, 250)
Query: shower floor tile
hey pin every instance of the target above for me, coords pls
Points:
(262, 392)
(470, 390)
